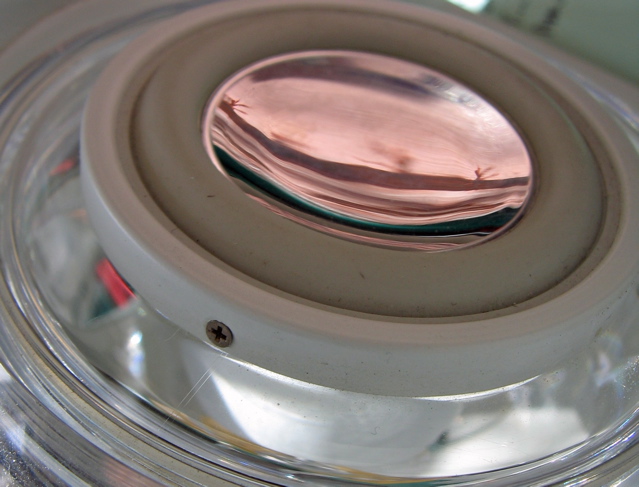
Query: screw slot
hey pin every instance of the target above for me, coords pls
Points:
(220, 334)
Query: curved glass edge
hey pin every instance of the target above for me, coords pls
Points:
(39, 448)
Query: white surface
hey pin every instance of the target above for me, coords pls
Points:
(330, 347)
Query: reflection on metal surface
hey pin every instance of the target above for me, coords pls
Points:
(369, 147)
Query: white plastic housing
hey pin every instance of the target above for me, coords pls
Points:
(569, 262)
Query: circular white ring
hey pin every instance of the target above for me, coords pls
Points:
(337, 348)
(510, 271)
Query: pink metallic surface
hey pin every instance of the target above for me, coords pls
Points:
(371, 139)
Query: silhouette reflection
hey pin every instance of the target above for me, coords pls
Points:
(369, 142)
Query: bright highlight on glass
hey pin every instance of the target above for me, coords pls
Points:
(471, 5)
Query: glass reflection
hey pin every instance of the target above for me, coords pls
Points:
(275, 417)
(370, 142)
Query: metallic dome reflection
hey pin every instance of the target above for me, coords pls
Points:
(370, 148)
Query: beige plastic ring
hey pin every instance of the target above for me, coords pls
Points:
(415, 324)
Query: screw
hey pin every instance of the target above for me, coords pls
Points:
(220, 334)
